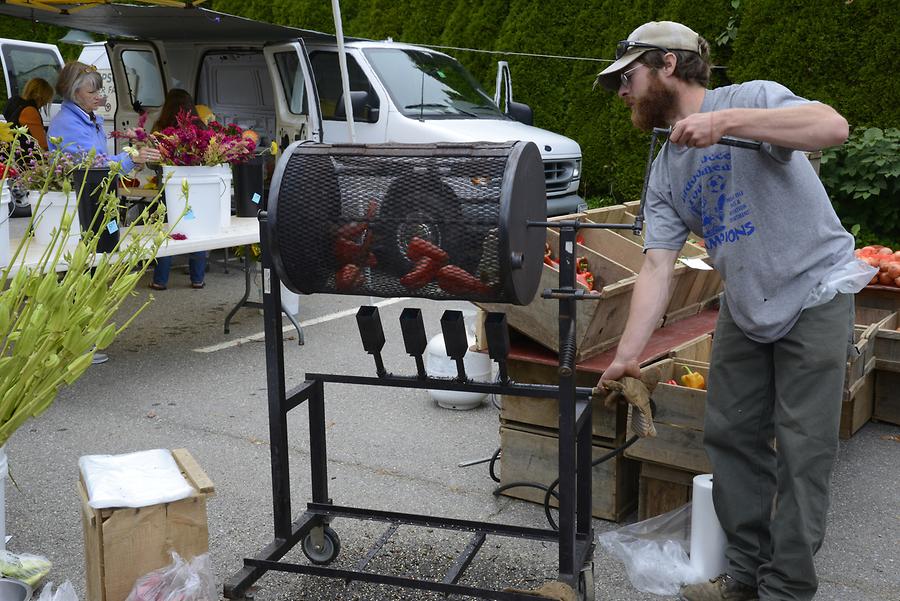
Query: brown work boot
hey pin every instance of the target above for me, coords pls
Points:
(720, 588)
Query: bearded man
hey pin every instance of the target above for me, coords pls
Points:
(785, 323)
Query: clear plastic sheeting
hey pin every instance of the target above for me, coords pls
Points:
(655, 552)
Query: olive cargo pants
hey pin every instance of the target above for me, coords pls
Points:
(788, 391)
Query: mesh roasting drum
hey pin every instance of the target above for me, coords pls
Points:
(445, 221)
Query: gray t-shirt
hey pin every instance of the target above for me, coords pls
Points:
(766, 220)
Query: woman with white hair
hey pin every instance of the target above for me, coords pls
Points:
(76, 123)
(77, 129)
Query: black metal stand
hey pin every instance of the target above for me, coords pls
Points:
(245, 302)
(321, 544)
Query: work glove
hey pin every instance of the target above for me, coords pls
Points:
(637, 393)
(557, 591)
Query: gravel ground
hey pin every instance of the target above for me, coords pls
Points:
(388, 449)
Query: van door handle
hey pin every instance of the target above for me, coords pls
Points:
(285, 141)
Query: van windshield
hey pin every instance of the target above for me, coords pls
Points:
(431, 85)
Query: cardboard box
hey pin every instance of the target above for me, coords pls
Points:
(122, 544)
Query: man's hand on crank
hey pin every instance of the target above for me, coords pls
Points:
(619, 368)
(698, 130)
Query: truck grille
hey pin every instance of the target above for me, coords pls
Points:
(558, 174)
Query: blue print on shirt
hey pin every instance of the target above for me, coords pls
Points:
(724, 217)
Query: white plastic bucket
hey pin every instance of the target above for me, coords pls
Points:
(209, 198)
(49, 213)
(5, 251)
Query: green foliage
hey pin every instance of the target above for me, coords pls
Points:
(863, 179)
(51, 323)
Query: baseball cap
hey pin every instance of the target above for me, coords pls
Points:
(655, 35)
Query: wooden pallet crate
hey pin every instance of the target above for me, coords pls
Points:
(679, 422)
(122, 544)
(528, 412)
(532, 455)
(663, 489)
(887, 346)
(887, 398)
(698, 349)
(858, 401)
(600, 318)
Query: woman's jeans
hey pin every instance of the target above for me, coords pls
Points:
(196, 265)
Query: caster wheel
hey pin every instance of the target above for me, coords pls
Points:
(586, 589)
(327, 552)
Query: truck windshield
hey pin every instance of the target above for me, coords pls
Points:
(430, 85)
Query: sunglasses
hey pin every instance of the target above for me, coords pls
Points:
(625, 76)
(625, 45)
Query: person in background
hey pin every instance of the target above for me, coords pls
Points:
(785, 323)
(24, 110)
(177, 101)
(78, 126)
(78, 129)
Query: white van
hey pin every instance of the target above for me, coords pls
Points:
(285, 84)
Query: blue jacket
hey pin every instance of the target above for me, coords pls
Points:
(79, 134)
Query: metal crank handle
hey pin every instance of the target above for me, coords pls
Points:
(726, 140)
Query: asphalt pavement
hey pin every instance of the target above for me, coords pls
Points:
(174, 380)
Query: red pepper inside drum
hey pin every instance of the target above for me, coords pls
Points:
(458, 281)
(419, 248)
(421, 274)
(348, 278)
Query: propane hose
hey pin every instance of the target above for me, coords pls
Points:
(550, 491)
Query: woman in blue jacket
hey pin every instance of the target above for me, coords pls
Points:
(78, 129)
(77, 124)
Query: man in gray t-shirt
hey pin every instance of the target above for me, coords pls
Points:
(780, 346)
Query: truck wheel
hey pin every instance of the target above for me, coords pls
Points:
(422, 208)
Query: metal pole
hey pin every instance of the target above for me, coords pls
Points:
(278, 439)
(567, 457)
(342, 62)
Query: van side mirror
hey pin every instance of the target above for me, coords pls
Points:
(362, 111)
(521, 112)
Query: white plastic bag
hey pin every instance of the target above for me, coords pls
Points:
(178, 581)
(133, 480)
(655, 551)
(65, 592)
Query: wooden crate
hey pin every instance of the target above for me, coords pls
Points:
(663, 489)
(600, 318)
(529, 412)
(698, 349)
(887, 397)
(887, 346)
(123, 544)
(858, 401)
(858, 404)
(679, 423)
(533, 456)
(614, 257)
